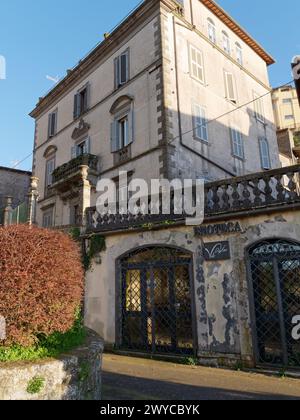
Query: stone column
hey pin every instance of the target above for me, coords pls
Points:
(7, 212)
(31, 200)
(84, 193)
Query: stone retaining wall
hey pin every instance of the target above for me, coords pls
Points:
(74, 376)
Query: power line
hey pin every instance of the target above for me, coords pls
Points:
(226, 113)
(202, 125)
(21, 161)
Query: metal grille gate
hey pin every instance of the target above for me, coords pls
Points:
(275, 273)
(156, 301)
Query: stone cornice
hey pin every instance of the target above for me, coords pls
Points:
(106, 47)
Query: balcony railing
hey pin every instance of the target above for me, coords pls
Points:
(258, 192)
(72, 167)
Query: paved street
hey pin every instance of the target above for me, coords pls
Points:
(127, 378)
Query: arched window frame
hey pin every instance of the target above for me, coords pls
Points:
(122, 126)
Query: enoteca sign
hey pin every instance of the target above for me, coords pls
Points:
(217, 251)
(218, 229)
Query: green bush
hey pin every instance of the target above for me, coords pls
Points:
(52, 346)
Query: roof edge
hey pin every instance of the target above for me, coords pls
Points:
(237, 29)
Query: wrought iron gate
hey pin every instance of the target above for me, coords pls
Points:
(156, 301)
(275, 273)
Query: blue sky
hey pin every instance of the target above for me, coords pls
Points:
(47, 37)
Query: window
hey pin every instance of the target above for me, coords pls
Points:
(237, 144)
(196, 64)
(48, 219)
(52, 124)
(81, 101)
(122, 131)
(200, 123)
(81, 148)
(212, 31)
(230, 87)
(287, 101)
(123, 127)
(75, 215)
(122, 69)
(264, 153)
(239, 53)
(259, 108)
(226, 42)
(50, 166)
(289, 117)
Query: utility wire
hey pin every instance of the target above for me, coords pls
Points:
(202, 125)
(227, 113)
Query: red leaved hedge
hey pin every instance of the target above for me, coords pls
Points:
(41, 282)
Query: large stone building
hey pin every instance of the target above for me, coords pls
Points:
(287, 121)
(148, 100)
(14, 184)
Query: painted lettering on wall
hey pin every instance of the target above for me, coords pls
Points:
(218, 229)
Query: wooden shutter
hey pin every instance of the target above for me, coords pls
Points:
(203, 124)
(49, 125)
(130, 131)
(230, 88)
(259, 108)
(53, 124)
(87, 146)
(117, 74)
(264, 153)
(87, 97)
(73, 152)
(76, 105)
(115, 137)
(123, 68)
(200, 123)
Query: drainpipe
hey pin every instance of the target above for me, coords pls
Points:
(192, 13)
(195, 152)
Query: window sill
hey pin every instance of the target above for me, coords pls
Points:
(117, 88)
(199, 140)
(241, 159)
(201, 82)
(123, 155)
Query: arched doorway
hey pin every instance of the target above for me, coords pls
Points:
(274, 271)
(156, 301)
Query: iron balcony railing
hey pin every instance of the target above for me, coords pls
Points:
(72, 167)
(251, 193)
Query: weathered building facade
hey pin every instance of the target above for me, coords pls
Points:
(164, 96)
(226, 292)
(14, 188)
(161, 96)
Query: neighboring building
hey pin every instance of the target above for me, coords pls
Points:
(14, 183)
(287, 120)
(147, 100)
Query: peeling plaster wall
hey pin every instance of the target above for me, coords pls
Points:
(221, 287)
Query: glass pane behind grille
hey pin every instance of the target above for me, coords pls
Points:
(156, 301)
(275, 270)
(266, 311)
(290, 286)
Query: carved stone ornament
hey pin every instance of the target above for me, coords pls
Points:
(81, 130)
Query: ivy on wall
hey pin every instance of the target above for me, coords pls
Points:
(96, 244)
